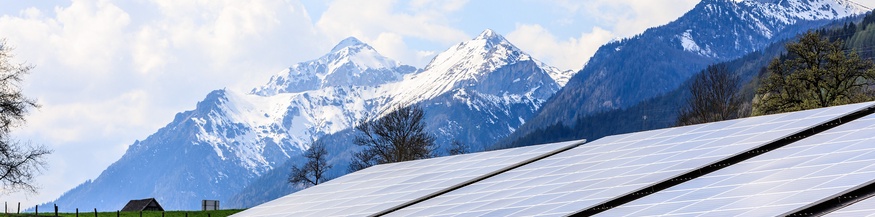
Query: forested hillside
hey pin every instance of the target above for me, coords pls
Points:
(662, 111)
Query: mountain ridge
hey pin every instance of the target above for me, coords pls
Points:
(350, 63)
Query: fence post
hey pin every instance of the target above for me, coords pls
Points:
(36, 210)
(56, 210)
(77, 212)
(117, 213)
(95, 212)
(19, 208)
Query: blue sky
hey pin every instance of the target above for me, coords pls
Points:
(109, 73)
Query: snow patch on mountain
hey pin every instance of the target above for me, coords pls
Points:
(350, 63)
(561, 77)
(690, 45)
(766, 14)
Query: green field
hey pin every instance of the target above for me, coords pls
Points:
(217, 213)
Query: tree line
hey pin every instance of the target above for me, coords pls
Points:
(815, 72)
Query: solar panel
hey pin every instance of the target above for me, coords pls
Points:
(776, 183)
(862, 208)
(381, 187)
(611, 167)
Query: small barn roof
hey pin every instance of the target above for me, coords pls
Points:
(149, 204)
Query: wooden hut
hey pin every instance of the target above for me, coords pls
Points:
(148, 204)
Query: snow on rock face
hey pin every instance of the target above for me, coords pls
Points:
(789, 10)
(462, 63)
(289, 121)
(347, 42)
(561, 77)
(765, 17)
(690, 45)
(243, 126)
(771, 15)
(350, 63)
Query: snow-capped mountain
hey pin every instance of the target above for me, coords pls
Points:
(475, 92)
(350, 63)
(231, 138)
(478, 84)
(625, 72)
(464, 64)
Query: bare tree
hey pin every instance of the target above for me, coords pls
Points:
(19, 162)
(713, 97)
(313, 172)
(398, 136)
(457, 148)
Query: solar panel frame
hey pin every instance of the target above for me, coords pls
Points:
(864, 207)
(603, 151)
(779, 182)
(383, 187)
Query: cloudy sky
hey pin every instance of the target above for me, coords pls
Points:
(109, 73)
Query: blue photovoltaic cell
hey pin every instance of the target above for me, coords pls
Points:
(382, 187)
(775, 183)
(614, 166)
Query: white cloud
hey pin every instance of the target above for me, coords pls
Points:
(566, 54)
(393, 45)
(89, 35)
(386, 22)
(150, 51)
(108, 73)
(627, 17)
(609, 19)
(442, 5)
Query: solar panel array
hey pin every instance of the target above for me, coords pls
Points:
(563, 179)
(613, 166)
(385, 186)
(776, 183)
